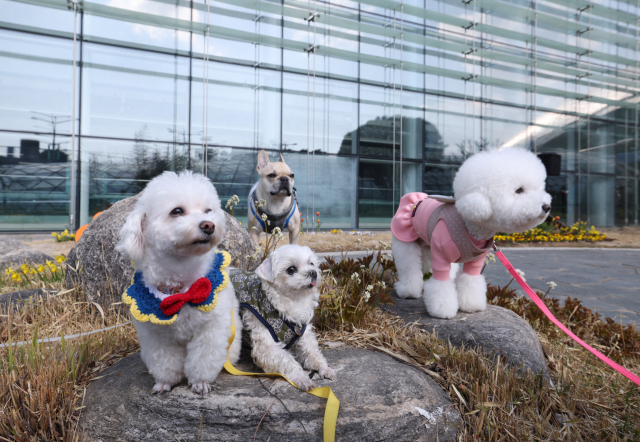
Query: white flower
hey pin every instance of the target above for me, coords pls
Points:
(382, 284)
(234, 200)
(521, 274)
(255, 254)
(369, 288)
(362, 266)
(490, 258)
(277, 233)
(552, 285)
(354, 276)
(264, 217)
(367, 295)
(358, 241)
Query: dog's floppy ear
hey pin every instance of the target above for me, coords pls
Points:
(263, 160)
(131, 243)
(474, 207)
(282, 159)
(265, 270)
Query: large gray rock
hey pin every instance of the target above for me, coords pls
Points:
(103, 274)
(14, 252)
(378, 399)
(25, 295)
(496, 330)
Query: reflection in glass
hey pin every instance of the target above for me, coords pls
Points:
(34, 180)
(335, 114)
(326, 184)
(35, 79)
(243, 107)
(377, 203)
(113, 170)
(132, 94)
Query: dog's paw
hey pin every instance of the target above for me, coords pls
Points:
(303, 382)
(160, 387)
(200, 388)
(440, 298)
(326, 373)
(411, 289)
(472, 292)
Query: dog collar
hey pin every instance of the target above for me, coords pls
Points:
(275, 219)
(145, 306)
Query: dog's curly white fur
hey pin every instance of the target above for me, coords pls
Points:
(171, 235)
(495, 191)
(290, 276)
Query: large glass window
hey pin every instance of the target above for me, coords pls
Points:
(343, 94)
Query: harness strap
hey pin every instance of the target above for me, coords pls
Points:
(274, 218)
(270, 328)
(450, 215)
(333, 404)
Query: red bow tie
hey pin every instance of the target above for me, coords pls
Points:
(197, 294)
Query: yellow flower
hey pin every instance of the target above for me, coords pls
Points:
(40, 269)
(15, 276)
(53, 269)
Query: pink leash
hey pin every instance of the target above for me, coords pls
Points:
(623, 371)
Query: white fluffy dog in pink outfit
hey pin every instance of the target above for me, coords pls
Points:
(495, 191)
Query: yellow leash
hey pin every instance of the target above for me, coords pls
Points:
(333, 404)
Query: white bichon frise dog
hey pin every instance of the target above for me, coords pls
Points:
(181, 300)
(277, 304)
(495, 191)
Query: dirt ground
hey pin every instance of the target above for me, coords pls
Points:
(622, 237)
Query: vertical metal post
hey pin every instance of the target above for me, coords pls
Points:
(72, 193)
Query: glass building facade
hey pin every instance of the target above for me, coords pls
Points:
(366, 101)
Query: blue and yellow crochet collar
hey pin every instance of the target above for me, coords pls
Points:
(145, 306)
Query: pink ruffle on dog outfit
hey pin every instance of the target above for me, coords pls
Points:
(441, 227)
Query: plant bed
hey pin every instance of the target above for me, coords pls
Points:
(42, 385)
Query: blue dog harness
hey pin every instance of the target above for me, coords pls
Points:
(280, 220)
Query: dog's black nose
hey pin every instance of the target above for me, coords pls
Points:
(546, 207)
(313, 274)
(284, 178)
(207, 227)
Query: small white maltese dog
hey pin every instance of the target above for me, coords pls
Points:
(495, 191)
(181, 299)
(277, 304)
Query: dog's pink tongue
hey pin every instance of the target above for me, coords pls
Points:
(313, 284)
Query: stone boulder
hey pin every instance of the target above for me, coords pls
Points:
(94, 265)
(14, 253)
(380, 400)
(496, 330)
(22, 296)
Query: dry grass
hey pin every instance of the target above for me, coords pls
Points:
(42, 385)
(588, 401)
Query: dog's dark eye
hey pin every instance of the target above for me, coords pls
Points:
(177, 211)
(291, 270)
(291, 176)
(311, 263)
(272, 175)
(519, 190)
(207, 211)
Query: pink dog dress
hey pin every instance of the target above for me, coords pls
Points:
(440, 226)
